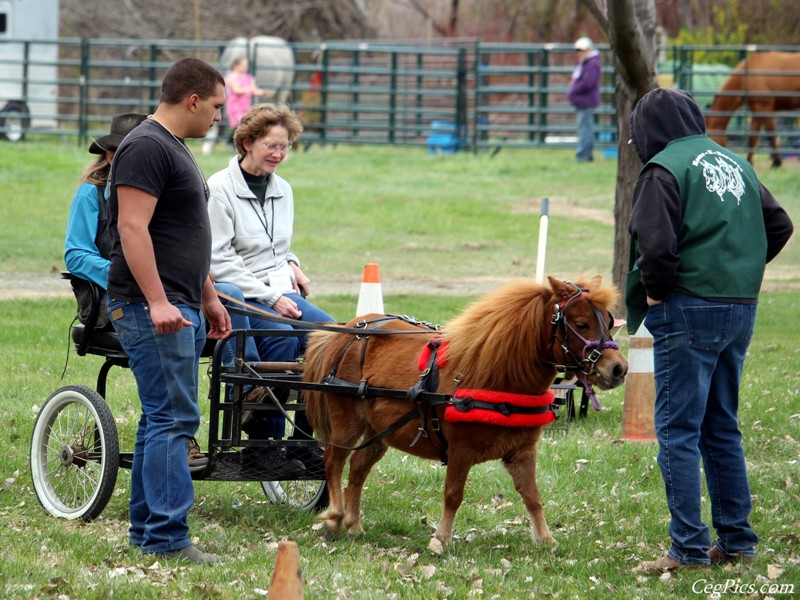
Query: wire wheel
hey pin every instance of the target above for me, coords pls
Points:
(74, 454)
(305, 495)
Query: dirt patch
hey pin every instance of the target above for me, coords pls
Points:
(30, 285)
(570, 208)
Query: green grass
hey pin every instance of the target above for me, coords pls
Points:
(606, 515)
(423, 217)
(418, 216)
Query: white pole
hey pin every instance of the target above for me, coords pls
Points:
(544, 217)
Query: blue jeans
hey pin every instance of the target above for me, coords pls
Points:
(290, 347)
(280, 349)
(166, 370)
(238, 321)
(585, 134)
(699, 350)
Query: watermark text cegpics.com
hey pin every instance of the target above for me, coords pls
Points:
(734, 586)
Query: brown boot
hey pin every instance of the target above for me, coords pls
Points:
(718, 557)
(197, 459)
(665, 564)
(257, 395)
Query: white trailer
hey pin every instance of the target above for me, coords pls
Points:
(28, 66)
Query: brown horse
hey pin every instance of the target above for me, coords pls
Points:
(495, 366)
(768, 82)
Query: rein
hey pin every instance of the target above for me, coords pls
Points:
(242, 308)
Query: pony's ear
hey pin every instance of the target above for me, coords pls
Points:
(595, 282)
(561, 289)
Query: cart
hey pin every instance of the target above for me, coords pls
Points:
(75, 454)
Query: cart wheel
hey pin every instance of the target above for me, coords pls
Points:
(74, 453)
(305, 495)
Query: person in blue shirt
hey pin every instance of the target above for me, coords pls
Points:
(87, 247)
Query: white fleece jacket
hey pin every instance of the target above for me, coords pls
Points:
(251, 243)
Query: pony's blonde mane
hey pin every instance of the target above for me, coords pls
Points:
(498, 341)
(490, 341)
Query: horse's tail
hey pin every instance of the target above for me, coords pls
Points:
(313, 372)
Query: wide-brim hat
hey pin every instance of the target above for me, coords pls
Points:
(121, 125)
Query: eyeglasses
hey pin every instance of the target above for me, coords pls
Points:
(282, 148)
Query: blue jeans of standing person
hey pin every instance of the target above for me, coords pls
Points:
(281, 349)
(699, 350)
(585, 135)
(166, 370)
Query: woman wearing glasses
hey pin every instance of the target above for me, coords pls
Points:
(251, 210)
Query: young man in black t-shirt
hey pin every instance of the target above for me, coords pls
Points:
(158, 282)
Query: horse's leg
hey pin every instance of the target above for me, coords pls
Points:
(347, 426)
(771, 128)
(361, 464)
(752, 141)
(522, 468)
(335, 459)
(460, 460)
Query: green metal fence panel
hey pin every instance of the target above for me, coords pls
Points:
(458, 95)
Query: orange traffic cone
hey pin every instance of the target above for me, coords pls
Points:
(370, 298)
(287, 578)
(640, 389)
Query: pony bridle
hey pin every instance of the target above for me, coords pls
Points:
(586, 365)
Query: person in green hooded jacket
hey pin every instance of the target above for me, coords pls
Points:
(702, 230)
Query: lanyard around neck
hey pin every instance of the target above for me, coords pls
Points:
(267, 224)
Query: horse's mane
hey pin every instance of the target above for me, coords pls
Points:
(498, 341)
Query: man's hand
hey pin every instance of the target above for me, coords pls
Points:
(167, 318)
(651, 302)
(218, 319)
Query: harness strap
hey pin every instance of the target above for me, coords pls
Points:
(429, 382)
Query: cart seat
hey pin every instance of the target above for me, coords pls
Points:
(104, 342)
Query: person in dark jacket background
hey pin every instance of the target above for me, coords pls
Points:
(584, 95)
(703, 228)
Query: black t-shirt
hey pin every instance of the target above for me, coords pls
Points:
(152, 160)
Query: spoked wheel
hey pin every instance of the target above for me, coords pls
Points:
(74, 454)
(305, 495)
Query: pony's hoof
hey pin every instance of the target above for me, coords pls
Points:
(355, 530)
(331, 522)
(436, 546)
(332, 526)
(547, 540)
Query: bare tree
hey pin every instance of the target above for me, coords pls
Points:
(297, 21)
(631, 29)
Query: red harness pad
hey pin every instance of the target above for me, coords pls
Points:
(497, 416)
(425, 355)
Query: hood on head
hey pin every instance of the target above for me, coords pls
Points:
(663, 115)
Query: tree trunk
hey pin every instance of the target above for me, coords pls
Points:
(631, 32)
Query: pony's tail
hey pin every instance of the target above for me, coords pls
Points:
(313, 372)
